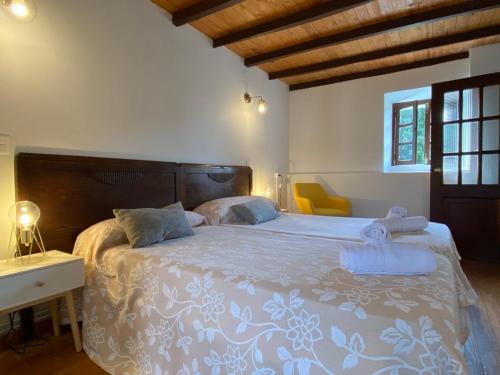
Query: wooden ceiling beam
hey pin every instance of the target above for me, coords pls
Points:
(392, 51)
(379, 71)
(201, 9)
(291, 20)
(374, 29)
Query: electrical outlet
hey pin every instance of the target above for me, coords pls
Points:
(4, 145)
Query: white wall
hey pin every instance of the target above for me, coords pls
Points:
(116, 78)
(485, 59)
(337, 138)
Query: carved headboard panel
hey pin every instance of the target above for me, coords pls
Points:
(75, 192)
(197, 183)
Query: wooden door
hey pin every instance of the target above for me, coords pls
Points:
(465, 190)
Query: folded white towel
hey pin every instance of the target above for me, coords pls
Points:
(375, 234)
(408, 224)
(397, 211)
(389, 259)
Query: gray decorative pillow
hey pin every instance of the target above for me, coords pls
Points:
(146, 226)
(256, 211)
(219, 210)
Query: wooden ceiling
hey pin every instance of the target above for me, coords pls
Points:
(308, 43)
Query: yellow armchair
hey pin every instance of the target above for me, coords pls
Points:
(312, 199)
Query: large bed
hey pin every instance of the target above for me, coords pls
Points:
(229, 299)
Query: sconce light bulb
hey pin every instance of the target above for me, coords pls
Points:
(268, 193)
(19, 8)
(262, 107)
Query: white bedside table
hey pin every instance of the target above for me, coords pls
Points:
(45, 278)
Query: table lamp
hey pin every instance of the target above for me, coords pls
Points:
(24, 216)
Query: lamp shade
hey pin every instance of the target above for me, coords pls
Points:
(24, 214)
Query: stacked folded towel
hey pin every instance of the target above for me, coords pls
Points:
(397, 220)
(380, 256)
(375, 234)
(408, 224)
(390, 259)
(397, 212)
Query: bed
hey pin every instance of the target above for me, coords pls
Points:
(227, 300)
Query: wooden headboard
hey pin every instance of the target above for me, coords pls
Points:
(75, 192)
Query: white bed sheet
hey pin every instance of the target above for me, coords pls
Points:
(437, 236)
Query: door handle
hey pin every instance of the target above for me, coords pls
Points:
(437, 170)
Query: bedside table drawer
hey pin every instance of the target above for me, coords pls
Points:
(20, 289)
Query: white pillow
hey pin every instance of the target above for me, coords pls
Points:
(219, 210)
(195, 219)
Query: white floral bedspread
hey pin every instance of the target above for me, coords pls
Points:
(437, 236)
(231, 301)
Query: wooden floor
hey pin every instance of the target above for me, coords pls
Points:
(485, 278)
(58, 356)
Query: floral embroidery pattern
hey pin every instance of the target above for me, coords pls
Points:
(304, 330)
(212, 306)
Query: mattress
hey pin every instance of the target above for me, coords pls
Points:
(437, 236)
(230, 300)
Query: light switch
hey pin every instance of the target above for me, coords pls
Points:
(4, 145)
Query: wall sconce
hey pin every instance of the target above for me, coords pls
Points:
(24, 216)
(261, 107)
(19, 10)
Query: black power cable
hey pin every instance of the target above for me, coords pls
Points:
(21, 349)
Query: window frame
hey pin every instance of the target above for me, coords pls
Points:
(396, 107)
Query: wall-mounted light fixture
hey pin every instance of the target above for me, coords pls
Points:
(261, 107)
(19, 10)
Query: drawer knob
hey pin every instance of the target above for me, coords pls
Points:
(40, 283)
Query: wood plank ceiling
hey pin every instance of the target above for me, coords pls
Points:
(308, 43)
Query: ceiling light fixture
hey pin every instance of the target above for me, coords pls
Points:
(19, 10)
(261, 107)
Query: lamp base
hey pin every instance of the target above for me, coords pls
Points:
(24, 237)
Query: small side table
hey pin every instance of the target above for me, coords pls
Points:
(44, 279)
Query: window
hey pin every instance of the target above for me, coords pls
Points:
(407, 98)
(411, 132)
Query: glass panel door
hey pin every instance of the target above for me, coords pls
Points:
(465, 165)
(471, 136)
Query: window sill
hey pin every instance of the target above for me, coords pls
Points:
(415, 168)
